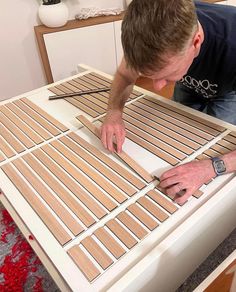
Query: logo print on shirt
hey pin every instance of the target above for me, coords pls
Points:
(202, 87)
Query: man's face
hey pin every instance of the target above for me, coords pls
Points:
(175, 69)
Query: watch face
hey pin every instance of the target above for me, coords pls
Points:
(219, 166)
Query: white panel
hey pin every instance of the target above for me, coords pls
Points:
(92, 45)
(119, 49)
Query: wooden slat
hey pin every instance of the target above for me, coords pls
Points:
(59, 190)
(202, 123)
(109, 242)
(150, 135)
(227, 144)
(48, 197)
(163, 129)
(44, 123)
(84, 263)
(177, 120)
(127, 159)
(76, 189)
(230, 138)
(54, 226)
(82, 107)
(15, 144)
(129, 190)
(220, 149)
(2, 158)
(121, 233)
(82, 214)
(97, 252)
(55, 90)
(198, 194)
(143, 216)
(6, 149)
(133, 226)
(22, 126)
(45, 115)
(16, 132)
(108, 161)
(30, 122)
(153, 149)
(101, 81)
(88, 170)
(162, 201)
(211, 153)
(153, 209)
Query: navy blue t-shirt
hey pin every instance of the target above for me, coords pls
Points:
(213, 71)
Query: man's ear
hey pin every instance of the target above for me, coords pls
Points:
(197, 40)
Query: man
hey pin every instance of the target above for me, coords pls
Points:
(194, 45)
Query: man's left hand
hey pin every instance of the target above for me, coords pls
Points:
(186, 178)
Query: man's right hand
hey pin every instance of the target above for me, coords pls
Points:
(113, 127)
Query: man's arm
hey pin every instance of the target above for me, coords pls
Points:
(191, 176)
(113, 124)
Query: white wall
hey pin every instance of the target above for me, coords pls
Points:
(20, 64)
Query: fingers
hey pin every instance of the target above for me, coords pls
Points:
(111, 133)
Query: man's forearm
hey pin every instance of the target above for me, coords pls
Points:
(230, 161)
(121, 88)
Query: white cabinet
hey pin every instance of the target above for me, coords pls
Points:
(98, 46)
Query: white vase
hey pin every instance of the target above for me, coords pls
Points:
(54, 15)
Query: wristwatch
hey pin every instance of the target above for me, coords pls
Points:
(218, 165)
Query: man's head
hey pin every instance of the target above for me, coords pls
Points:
(156, 31)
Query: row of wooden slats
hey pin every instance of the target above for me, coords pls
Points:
(23, 125)
(93, 253)
(94, 104)
(75, 180)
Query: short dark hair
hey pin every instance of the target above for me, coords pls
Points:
(151, 29)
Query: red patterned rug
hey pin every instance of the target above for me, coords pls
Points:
(20, 268)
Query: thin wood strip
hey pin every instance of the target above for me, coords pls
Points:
(148, 120)
(202, 157)
(77, 191)
(230, 138)
(6, 149)
(80, 81)
(22, 126)
(82, 214)
(55, 90)
(15, 144)
(198, 194)
(82, 107)
(69, 86)
(153, 209)
(30, 122)
(161, 138)
(77, 85)
(16, 132)
(48, 197)
(153, 149)
(86, 169)
(162, 201)
(100, 97)
(81, 195)
(97, 252)
(211, 153)
(233, 134)
(142, 216)
(45, 115)
(198, 122)
(129, 190)
(44, 123)
(2, 158)
(95, 101)
(222, 150)
(86, 266)
(101, 77)
(108, 161)
(81, 100)
(50, 221)
(58, 189)
(109, 242)
(90, 81)
(101, 81)
(121, 233)
(227, 144)
(170, 116)
(127, 159)
(132, 225)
